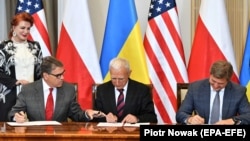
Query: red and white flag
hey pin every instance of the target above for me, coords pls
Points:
(39, 30)
(77, 50)
(212, 41)
(165, 57)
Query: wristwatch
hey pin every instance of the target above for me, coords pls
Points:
(236, 121)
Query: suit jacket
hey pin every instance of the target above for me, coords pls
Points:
(235, 103)
(31, 101)
(138, 101)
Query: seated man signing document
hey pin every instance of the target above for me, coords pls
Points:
(123, 99)
(215, 100)
(50, 98)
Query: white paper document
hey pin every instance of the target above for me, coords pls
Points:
(33, 123)
(119, 124)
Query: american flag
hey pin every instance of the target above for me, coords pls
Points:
(39, 30)
(165, 57)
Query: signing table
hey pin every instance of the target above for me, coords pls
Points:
(69, 131)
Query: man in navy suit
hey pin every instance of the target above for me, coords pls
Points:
(139, 106)
(234, 106)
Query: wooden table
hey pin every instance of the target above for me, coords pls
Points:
(71, 131)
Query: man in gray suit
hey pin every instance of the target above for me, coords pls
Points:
(234, 107)
(32, 99)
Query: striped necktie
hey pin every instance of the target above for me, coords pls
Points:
(120, 103)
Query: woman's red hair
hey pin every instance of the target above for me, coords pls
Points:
(23, 16)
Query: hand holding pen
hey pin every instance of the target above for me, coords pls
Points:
(195, 119)
(130, 119)
(20, 117)
(94, 114)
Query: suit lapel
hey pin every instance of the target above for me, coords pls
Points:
(206, 95)
(59, 101)
(39, 98)
(109, 94)
(227, 95)
(129, 94)
(112, 98)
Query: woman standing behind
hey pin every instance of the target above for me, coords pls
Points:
(20, 61)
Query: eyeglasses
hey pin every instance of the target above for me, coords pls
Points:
(59, 76)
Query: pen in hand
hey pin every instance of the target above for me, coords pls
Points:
(21, 117)
(21, 113)
(196, 112)
(123, 123)
(199, 118)
(99, 114)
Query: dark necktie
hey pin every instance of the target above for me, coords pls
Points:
(49, 109)
(120, 103)
(215, 109)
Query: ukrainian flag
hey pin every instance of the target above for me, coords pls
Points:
(123, 39)
(245, 66)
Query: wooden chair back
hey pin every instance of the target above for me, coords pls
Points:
(181, 92)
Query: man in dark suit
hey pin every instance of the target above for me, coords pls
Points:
(32, 99)
(234, 107)
(139, 106)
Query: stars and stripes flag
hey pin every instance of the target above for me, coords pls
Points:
(77, 50)
(165, 57)
(212, 41)
(39, 30)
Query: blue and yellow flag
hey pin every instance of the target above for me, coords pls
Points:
(245, 66)
(123, 39)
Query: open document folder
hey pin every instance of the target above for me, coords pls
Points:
(33, 123)
(119, 124)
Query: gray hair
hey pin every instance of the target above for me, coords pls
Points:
(118, 63)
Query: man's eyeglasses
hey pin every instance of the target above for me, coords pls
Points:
(57, 75)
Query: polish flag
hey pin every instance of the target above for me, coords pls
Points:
(77, 50)
(212, 41)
